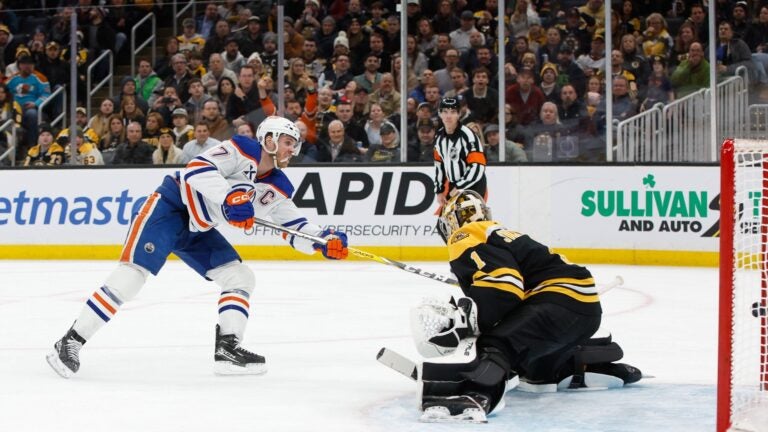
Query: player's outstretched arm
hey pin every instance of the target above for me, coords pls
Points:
(335, 246)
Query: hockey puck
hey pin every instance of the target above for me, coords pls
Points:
(759, 311)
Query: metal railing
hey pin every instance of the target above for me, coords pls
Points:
(679, 131)
(62, 117)
(108, 79)
(151, 39)
(11, 152)
(178, 14)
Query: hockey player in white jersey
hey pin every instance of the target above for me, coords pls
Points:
(231, 183)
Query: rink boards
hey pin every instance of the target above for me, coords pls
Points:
(625, 215)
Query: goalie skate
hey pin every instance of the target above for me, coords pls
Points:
(65, 357)
(232, 359)
(469, 408)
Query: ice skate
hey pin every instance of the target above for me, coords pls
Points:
(232, 359)
(469, 408)
(65, 357)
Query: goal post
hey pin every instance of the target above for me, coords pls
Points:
(742, 384)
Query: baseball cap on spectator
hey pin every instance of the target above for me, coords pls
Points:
(425, 125)
(4, 28)
(45, 127)
(413, 2)
(386, 128)
(565, 47)
(574, 11)
(254, 18)
(492, 127)
(179, 112)
(288, 20)
(548, 66)
(742, 4)
(25, 59)
(361, 90)
(341, 39)
(81, 110)
(166, 131)
(658, 59)
(231, 39)
(52, 44)
(467, 15)
(188, 22)
(312, 2)
(424, 105)
(599, 36)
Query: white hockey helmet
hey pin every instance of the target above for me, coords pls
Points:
(466, 207)
(276, 126)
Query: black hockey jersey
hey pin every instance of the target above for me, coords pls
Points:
(500, 269)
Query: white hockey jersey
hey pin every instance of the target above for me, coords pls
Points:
(209, 177)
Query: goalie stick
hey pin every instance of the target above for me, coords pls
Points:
(360, 253)
(398, 363)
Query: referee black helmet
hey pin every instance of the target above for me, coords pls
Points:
(448, 103)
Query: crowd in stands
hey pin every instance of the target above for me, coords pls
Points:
(342, 74)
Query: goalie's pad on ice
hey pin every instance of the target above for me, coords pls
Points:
(438, 326)
(468, 408)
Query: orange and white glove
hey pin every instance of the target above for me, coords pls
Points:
(336, 245)
(238, 209)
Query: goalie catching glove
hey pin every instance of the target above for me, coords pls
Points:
(335, 246)
(238, 209)
(439, 326)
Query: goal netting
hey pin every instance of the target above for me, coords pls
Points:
(742, 399)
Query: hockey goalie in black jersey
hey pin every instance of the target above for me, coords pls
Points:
(527, 320)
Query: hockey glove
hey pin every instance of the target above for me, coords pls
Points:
(238, 209)
(336, 246)
(439, 326)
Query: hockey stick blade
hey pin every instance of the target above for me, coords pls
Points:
(357, 252)
(616, 282)
(398, 363)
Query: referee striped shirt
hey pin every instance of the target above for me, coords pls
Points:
(459, 159)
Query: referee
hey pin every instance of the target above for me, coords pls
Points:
(459, 157)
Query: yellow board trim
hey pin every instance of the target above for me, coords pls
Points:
(399, 253)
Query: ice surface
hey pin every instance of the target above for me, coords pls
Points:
(320, 325)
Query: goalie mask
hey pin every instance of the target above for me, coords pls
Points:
(275, 127)
(466, 207)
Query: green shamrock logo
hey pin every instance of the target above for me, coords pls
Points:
(649, 181)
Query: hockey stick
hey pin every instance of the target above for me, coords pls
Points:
(398, 363)
(361, 253)
(616, 282)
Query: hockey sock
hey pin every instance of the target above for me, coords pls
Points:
(236, 281)
(233, 312)
(122, 285)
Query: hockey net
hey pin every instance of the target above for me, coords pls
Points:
(742, 399)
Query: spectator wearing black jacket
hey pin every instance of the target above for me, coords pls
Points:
(247, 97)
(133, 151)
